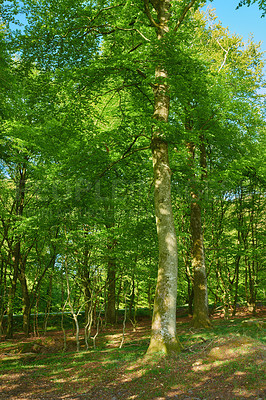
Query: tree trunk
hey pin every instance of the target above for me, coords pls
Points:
(3, 291)
(86, 282)
(10, 303)
(238, 257)
(16, 250)
(111, 280)
(132, 299)
(200, 309)
(190, 289)
(12, 290)
(48, 301)
(163, 332)
(87, 296)
(26, 301)
(111, 259)
(163, 336)
(252, 263)
(237, 264)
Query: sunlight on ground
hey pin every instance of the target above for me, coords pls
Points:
(228, 360)
(243, 392)
(239, 373)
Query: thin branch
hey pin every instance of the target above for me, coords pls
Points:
(123, 157)
(124, 29)
(225, 57)
(184, 13)
(144, 94)
(145, 76)
(135, 48)
(206, 122)
(105, 9)
(120, 103)
(115, 91)
(131, 30)
(132, 144)
(141, 34)
(148, 13)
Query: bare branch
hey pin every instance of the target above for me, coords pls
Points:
(141, 34)
(225, 56)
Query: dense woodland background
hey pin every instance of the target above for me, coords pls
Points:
(77, 220)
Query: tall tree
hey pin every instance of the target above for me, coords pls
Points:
(115, 68)
(163, 334)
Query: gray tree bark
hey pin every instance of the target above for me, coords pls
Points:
(163, 333)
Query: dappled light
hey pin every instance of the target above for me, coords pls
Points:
(223, 363)
(132, 201)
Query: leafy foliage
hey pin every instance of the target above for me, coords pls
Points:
(76, 175)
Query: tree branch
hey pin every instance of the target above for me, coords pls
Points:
(144, 94)
(148, 13)
(105, 9)
(145, 76)
(126, 154)
(135, 48)
(184, 13)
(141, 34)
(225, 56)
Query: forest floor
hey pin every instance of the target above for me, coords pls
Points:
(225, 362)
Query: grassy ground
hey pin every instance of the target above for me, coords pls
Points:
(225, 362)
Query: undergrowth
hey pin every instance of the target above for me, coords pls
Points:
(230, 353)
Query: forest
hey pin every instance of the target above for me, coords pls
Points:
(132, 166)
(132, 202)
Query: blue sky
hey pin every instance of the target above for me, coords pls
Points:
(243, 21)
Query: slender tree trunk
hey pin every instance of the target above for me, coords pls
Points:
(36, 316)
(190, 288)
(238, 257)
(13, 288)
(86, 283)
(3, 293)
(132, 299)
(26, 301)
(48, 301)
(16, 250)
(237, 265)
(200, 309)
(252, 263)
(186, 255)
(87, 296)
(111, 259)
(111, 283)
(149, 294)
(111, 274)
